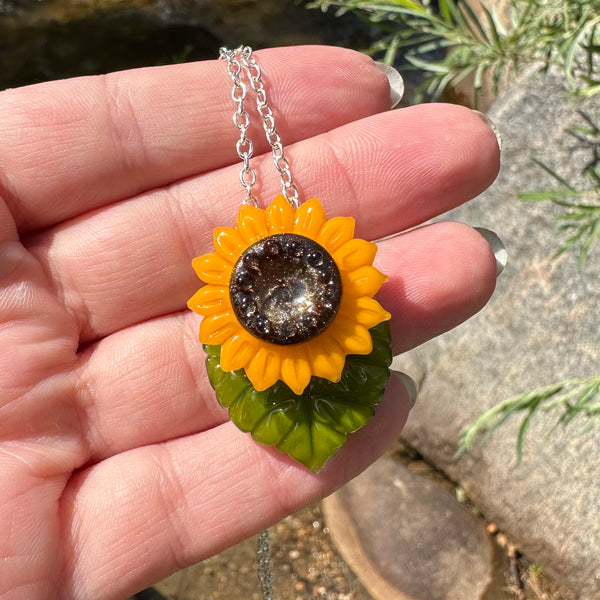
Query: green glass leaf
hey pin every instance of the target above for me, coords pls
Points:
(312, 426)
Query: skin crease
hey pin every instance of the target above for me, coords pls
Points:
(117, 464)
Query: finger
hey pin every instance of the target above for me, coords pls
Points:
(94, 140)
(137, 517)
(148, 384)
(390, 171)
(440, 276)
(37, 335)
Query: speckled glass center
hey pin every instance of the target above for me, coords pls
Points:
(285, 289)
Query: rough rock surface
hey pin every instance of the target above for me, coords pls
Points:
(541, 327)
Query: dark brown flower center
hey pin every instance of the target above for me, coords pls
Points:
(285, 289)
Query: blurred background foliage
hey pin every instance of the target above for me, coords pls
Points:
(454, 39)
(52, 39)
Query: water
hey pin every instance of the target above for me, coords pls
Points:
(52, 39)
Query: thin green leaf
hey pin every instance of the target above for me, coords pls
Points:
(444, 10)
(471, 17)
(425, 65)
(479, 72)
(495, 26)
(590, 238)
(410, 4)
(458, 77)
(553, 173)
(390, 55)
(591, 49)
(460, 21)
(574, 44)
(522, 431)
(556, 196)
(575, 397)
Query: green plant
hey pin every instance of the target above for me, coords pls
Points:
(572, 398)
(580, 219)
(449, 41)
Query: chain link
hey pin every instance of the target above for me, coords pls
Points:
(265, 569)
(240, 63)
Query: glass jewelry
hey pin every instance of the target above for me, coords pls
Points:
(298, 349)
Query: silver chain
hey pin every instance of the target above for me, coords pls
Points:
(240, 63)
(265, 569)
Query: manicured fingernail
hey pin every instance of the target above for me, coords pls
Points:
(491, 125)
(395, 80)
(409, 384)
(497, 246)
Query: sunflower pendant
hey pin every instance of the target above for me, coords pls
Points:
(298, 349)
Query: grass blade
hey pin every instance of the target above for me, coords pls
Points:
(575, 397)
(471, 17)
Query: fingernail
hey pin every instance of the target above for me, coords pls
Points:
(409, 385)
(491, 125)
(395, 80)
(497, 246)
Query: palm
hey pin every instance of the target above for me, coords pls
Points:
(117, 464)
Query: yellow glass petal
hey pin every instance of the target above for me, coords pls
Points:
(264, 369)
(326, 357)
(310, 218)
(280, 216)
(364, 310)
(237, 352)
(353, 337)
(212, 268)
(229, 243)
(210, 300)
(295, 369)
(323, 356)
(364, 281)
(217, 329)
(335, 232)
(354, 254)
(251, 224)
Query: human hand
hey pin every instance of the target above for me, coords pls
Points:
(118, 465)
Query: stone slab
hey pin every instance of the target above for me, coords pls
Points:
(541, 327)
(407, 538)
